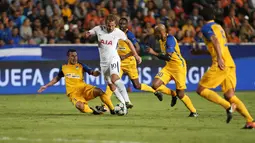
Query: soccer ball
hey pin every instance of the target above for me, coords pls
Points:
(120, 109)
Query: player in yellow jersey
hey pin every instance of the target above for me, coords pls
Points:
(175, 68)
(222, 71)
(77, 90)
(128, 63)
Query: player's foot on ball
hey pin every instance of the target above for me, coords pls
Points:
(193, 114)
(112, 112)
(129, 105)
(249, 125)
(96, 112)
(159, 95)
(101, 108)
(174, 100)
(230, 110)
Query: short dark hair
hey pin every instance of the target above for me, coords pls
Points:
(123, 18)
(111, 18)
(207, 13)
(70, 51)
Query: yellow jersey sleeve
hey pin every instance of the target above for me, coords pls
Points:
(214, 29)
(170, 45)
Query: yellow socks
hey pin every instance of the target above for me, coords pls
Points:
(186, 100)
(87, 109)
(145, 87)
(108, 92)
(107, 100)
(214, 97)
(162, 88)
(241, 108)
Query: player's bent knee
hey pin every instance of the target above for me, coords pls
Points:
(230, 93)
(155, 86)
(80, 106)
(137, 86)
(98, 92)
(199, 89)
(180, 94)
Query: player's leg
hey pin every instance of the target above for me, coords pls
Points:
(214, 97)
(131, 70)
(142, 86)
(106, 72)
(187, 102)
(179, 76)
(228, 87)
(104, 98)
(159, 84)
(109, 90)
(116, 92)
(115, 79)
(80, 103)
(118, 83)
(240, 107)
(211, 79)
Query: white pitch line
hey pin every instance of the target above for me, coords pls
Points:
(4, 138)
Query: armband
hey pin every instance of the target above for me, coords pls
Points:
(164, 57)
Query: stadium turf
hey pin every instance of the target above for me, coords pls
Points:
(52, 118)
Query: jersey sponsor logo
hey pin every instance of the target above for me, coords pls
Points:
(122, 48)
(105, 42)
(72, 75)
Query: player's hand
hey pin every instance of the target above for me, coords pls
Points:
(138, 59)
(122, 57)
(42, 89)
(96, 73)
(149, 50)
(221, 63)
(87, 34)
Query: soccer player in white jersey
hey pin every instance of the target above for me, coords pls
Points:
(108, 36)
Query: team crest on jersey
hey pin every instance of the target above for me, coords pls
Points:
(106, 42)
(77, 67)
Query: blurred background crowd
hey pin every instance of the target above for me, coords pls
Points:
(65, 21)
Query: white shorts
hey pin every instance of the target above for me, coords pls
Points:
(112, 68)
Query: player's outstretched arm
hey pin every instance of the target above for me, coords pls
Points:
(132, 48)
(161, 56)
(216, 46)
(52, 82)
(87, 34)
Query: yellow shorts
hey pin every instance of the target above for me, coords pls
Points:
(215, 77)
(82, 94)
(177, 74)
(129, 67)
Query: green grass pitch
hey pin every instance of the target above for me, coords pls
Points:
(52, 118)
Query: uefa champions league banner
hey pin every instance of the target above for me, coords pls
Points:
(27, 77)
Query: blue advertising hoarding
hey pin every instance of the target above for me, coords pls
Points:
(27, 77)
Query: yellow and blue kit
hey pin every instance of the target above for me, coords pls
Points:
(215, 76)
(76, 88)
(175, 69)
(128, 65)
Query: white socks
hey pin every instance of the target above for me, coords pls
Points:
(122, 89)
(119, 96)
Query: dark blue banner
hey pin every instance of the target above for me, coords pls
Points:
(27, 77)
